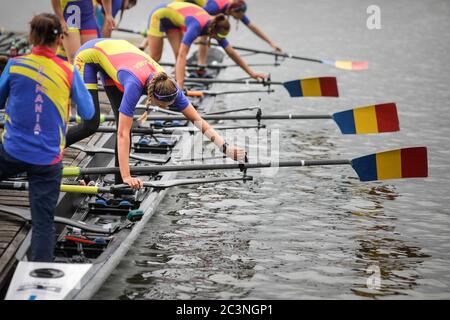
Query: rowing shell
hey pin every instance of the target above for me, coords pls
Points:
(85, 259)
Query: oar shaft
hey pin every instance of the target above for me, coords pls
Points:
(248, 117)
(75, 171)
(222, 117)
(273, 53)
(212, 81)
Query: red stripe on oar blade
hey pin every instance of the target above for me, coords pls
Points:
(387, 117)
(328, 86)
(414, 162)
(360, 65)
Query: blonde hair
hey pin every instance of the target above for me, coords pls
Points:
(160, 84)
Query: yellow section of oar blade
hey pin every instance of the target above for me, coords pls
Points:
(365, 120)
(311, 87)
(79, 189)
(343, 64)
(389, 165)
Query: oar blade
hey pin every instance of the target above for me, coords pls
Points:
(313, 87)
(377, 118)
(393, 164)
(347, 64)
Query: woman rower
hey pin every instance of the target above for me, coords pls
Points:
(116, 6)
(236, 9)
(127, 74)
(174, 18)
(79, 23)
(37, 89)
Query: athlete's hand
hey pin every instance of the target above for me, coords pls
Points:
(134, 183)
(64, 27)
(235, 153)
(276, 48)
(259, 76)
(110, 22)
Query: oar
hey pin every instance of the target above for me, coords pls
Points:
(170, 130)
(377, 118)
(25, 215)
(393, 164)
(195, 93)
(13, 185)
(219, 66)
(94, 150)
(312, 87)
(141, 33)
(340, 64)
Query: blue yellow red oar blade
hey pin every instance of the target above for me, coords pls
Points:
(369, 119)
(393, 164)
(347, 64)
(313, 87)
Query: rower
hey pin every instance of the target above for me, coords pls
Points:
(127, 74)
(116, 6)
(79, 23)
(37, 89)
(177, 17)
(234, 8)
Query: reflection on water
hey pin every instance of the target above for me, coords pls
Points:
(381, 246)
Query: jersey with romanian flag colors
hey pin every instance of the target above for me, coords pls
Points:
(214, 7)
(37, 89)
(187, 17)
(121, 64)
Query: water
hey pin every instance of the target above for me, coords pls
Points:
(316, 232)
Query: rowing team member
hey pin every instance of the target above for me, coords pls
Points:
(127, 74)
(79, 24)
(37, 89)
(236, 9)
(177, 17)
(116, 6)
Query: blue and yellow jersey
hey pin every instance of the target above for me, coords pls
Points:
(214, 7)
(187, 17)
(121, 64)
(80, 16)
(37, 89)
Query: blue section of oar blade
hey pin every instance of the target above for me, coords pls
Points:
(366, 167)
(294, 88)
(345, 121)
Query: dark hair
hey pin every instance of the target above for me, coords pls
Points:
(219, 25)
(44, 29)
(131, 3)
(238, 6)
